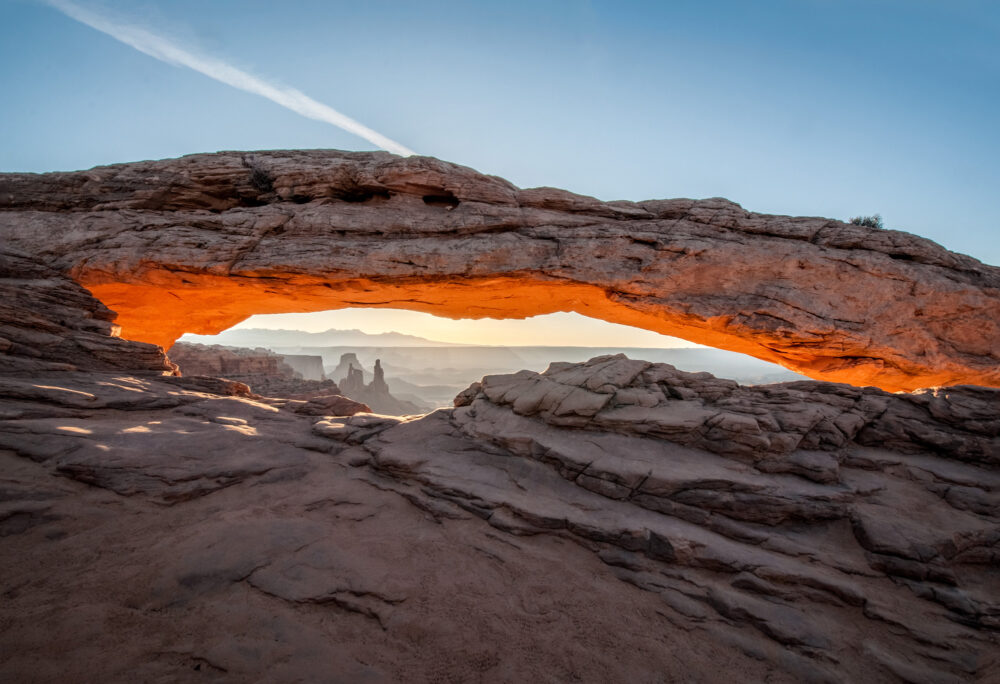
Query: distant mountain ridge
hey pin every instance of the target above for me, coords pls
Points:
(263, 337)
(429, 374)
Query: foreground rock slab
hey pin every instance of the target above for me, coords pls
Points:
(219, 539)
(545, 528)
(199, 243)
(613, 520)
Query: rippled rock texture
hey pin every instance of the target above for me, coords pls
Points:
(199, 243)
(563, 525)
(840, 534)
(50, 323)
(614, 520)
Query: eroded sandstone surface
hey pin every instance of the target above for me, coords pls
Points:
(613, 520)
(184, 533)
(197, 244)
(262, 370)
(50, 323)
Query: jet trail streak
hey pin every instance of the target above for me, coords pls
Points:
(164, 50)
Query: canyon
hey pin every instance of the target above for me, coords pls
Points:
(263, 371)
(375, 393)
(611, 519)
(429, 373)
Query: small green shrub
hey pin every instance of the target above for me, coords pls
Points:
(868, 221)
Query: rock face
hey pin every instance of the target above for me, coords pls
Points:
(231, 362)
(799, 427)
(554, 523)
(220, 540)
(851, 531)
(613, 520)
(269, 374)
(347, 363)
(48, 322)
(376, 393)
(199, 243)
(51, 328)
(308, 366)
(262, 370)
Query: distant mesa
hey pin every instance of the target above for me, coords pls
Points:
(264, 371)
(269, 374)
(280, 375)
(376, 393)
(193, 245)
(348, 363)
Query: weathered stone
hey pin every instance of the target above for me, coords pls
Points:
(374, 394)
(264, 371)
(795, 427)
(378, 527)
(48, 322)
(194, 245)
(613, 520)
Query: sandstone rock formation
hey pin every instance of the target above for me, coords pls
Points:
(221, 542)
(268, 374)
(348, 362)
(851, 534)
(49, 323)
(560, 523)
(799, 427)
(376, 393)
(308, 366)
(613, 520)
(199, 243)
(221, 361)
(262, 370)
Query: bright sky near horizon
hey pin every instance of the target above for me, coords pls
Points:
(558, 329)
(809, 107)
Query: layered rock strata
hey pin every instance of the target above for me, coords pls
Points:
(376, 393)
(849, 534)
(613, 520)
(220, 540)
(616, 520)
(264, 371)
(59, 345)
(200, 243)
(205, 359)
(532, 529)
(50, 323)
(768, 426)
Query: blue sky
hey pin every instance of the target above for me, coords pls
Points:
(812, 107)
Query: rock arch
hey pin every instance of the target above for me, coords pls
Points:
(199, 243)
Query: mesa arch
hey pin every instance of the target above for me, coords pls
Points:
(198, 243)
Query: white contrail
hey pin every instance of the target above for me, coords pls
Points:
(163, 50)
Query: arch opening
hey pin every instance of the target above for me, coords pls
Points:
(166, 305)
(200, 243)
(162, 305)
(423, 361)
